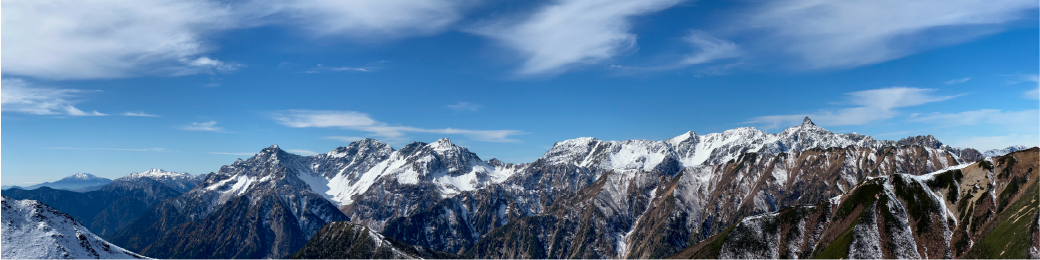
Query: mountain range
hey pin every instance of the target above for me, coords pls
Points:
(584, 198)
(986, 209)
(115, 204)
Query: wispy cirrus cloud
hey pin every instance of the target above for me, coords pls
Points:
(842, 34)
(210, 126)
(19, 96)
(872, 105)
(322, 69)
(568, 33)
(114, 149)
(464, 106)
(138, 113)
(345, 138)
(1033, 93)
(239, 154)
(362, 122)
(364, 19)
(1025, 119)
(708, 48)
(302, 152)
(105, 39)
(957, 81)
(114, 39)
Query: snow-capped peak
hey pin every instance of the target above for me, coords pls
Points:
(81, 177)
(161, 172)
(807, 122)
(674, 141)
(1001, 152)
(450, 167)
(442, 144)
(158, 174)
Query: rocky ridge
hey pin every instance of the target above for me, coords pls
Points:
(33, 230)
(986, 209)
(638, 198)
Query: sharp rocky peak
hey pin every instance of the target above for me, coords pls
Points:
(807, 122)
(926, 141)
(688, 136)
(364, 145)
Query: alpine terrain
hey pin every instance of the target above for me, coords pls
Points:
(115, 204)
(32, 230)
(986, 209)
(589, 198)
(585, 198)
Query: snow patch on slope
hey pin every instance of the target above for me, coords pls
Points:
(32, 230)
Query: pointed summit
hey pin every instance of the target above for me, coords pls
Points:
(441, 144)
(681, 138)
(807, 122)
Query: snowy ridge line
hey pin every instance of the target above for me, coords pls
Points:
(353, 170)
(34, 230)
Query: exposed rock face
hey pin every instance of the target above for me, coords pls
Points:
(988, 209)
(584, 198)
(33, 230)
(263, 207)
(345, 240)
(755, 171)
(664, 213)
(180, 182)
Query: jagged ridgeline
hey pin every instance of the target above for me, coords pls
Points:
(116, 204)
(987, 209)
(585, 198)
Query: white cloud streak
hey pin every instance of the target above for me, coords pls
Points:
(210, 126)
(213, 66)
(362, 122)
(371, 19)
(108, 39)
(873, 105)
(840, 34)
(302, 152)
(114, 149)
(957, 81)
(464, 106)
(568, 33)
(112, 39)
(1023, 120)
(239, 154)
(345, 138)
(708, 48)
(322, 69)
(138, 113)
(16, 95)
(1035, 78)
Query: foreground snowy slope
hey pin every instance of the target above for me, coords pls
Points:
(32, 230)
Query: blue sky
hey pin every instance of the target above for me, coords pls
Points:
(111, 88)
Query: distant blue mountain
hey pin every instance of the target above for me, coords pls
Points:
(81, 182)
